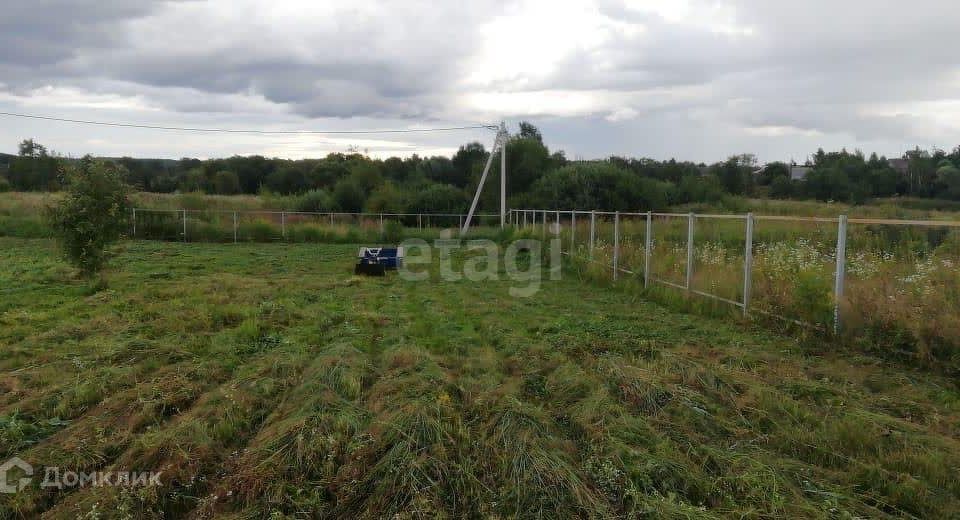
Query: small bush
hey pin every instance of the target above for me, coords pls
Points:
(392, 231)
(193, 200)
(315, 201)
(93, 214)
(259, 231)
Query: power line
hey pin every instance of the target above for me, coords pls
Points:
(247, 131)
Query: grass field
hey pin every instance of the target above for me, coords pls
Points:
(901, 291)
(901, 296)
(265, 380)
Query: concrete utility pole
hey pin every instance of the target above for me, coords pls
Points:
(501, 142)
(503, 174)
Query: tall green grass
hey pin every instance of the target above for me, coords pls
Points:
(901, 294)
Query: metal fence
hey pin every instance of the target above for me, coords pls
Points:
(662, 249)
(239, 225)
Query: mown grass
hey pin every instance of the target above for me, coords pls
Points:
(265, 380)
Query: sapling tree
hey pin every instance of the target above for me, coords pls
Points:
(92, 214)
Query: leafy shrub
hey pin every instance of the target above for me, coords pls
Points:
(201, 231)
(307, 234)
(4, 185)
(93, 213)
(315, 201)
(392, 231)
(193, 200)
(812, 297)
(259, 231)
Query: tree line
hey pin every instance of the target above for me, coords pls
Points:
(537, 177)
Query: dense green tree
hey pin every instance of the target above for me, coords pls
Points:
(286, 180)
(773, 171)
(948, 176)
(781, 187)
(732, 176)
(437, 198)
(437, 169)
(468, 164)
(598, 185)
(697, 188)
(226, 182)
(328, 171)
(386, 198)
(527, 160)
(528, 131)
(316, 201)
(193, 180)
(349, 196)
(34, 169)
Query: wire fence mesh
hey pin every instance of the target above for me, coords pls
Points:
(892, 283)
(295, 226)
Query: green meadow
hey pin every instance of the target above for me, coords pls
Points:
(266, 381)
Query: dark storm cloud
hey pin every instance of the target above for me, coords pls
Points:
(351, 70)
(45, 32)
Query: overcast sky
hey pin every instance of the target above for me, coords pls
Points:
(686, 79)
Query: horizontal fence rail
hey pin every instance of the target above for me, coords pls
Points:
(226, 225)
(590, 231)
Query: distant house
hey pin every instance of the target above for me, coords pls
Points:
(799, 173)
(901, 165)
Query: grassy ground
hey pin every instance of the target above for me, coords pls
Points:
(901, 296)
(892, 208)
(210, 218)
(265, 380)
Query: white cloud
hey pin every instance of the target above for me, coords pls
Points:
(768, 77)
(622, 114)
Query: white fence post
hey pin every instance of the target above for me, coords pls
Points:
(134, 222)
(543, 230)
(557, 231)
(234, 227)
(593, 230)
(841, 270)
(616, 243)
(283, 225)
(690, 218)
(184, 225)
(748, 265)
(573, 230)
(648, 250)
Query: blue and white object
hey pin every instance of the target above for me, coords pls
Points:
(376, 260)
